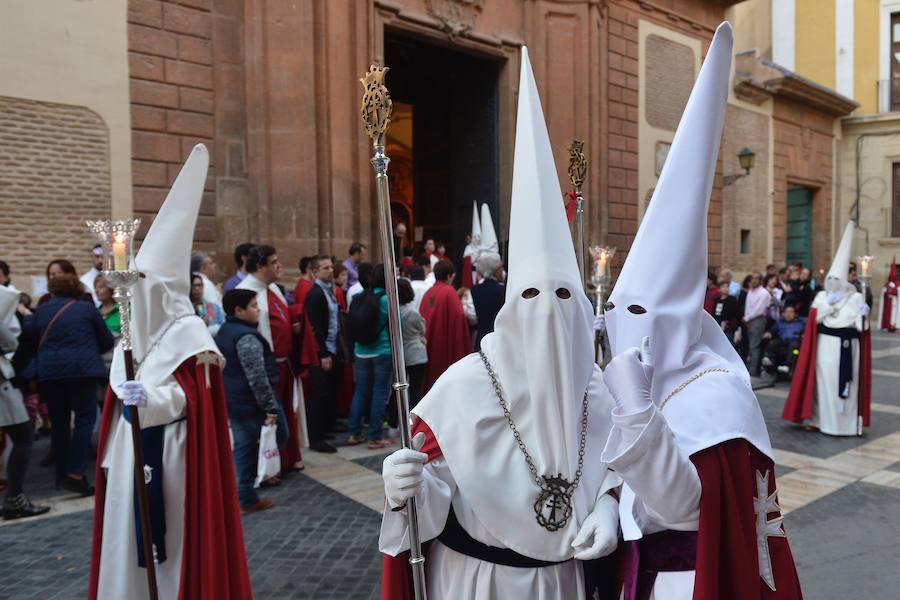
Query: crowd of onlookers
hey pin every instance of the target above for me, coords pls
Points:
(323, 345)
(764, 316)
(316, 360)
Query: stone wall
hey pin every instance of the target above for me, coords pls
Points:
(55, 173)
(170, 62)
(804, 155)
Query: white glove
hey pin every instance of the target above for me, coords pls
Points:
(628, 377)
(133, 393)
(600, 323)
(402, 472)
(599, 534)
(835, 297)
(864, 310)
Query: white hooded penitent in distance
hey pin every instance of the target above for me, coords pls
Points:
(488, 233)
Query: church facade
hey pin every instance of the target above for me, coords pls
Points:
(272, 87)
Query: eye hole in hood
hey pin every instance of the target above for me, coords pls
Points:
(563, 293)
(609, 306)
(636, 309)
(530, 293)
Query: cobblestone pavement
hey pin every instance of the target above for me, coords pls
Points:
(841, 497)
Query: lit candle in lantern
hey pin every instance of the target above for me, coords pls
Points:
(601, 262)
(864, 266)
(119, 253)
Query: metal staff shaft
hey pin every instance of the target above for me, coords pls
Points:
(579, 233)
(376, 113)
(122, 297)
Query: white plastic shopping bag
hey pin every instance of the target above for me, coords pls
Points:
(269, 462)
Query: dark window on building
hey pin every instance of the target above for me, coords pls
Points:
(895, 208)
(745, 241)
(895, 60)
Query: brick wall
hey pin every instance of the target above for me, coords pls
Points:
(55, 175)
(669, 80)
(171, 75)
(622, 86)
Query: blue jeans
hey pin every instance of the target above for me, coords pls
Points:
(246, 453)
(70, 445)
(373, 385)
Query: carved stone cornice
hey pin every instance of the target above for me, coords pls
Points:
(456, 16)
(757, 79)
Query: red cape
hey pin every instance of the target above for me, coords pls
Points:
(466, 276)
(887, 308)
(799, 405)
(446, 329)
(214, 564)
(727, 555)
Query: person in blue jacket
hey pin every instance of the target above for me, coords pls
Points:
(68, 337)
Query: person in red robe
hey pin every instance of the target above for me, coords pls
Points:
(890, 314)
(304, 284)
(195, 520)
(446, 326)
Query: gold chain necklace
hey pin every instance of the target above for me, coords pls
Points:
(689, 381)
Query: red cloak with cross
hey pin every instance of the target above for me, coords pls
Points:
(213, 564)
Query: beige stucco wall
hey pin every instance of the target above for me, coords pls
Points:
(648, 135)
(73, 52)
(878, 153)
(752, 22)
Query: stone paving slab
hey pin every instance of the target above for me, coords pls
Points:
(847, 545)
(314, 544)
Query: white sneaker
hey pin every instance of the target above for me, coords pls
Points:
(766, 361)
(784, 369)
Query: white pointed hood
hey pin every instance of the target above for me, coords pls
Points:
(473, 248)
(161, 305)
(660, 291)
(488, 233)
(542, 352)
(836, 279)
(476, 226)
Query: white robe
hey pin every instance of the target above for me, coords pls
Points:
(454, 576)
(211, 294)
(120, 576)
(831, 413)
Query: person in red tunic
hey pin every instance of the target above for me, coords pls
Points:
(889, 320)
(278, 327)
(699, 509)
(195, 521)
(304, 284)
(446, 327)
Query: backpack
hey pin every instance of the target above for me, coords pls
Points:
(364, 316)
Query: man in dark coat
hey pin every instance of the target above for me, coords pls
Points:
(322, 313)
(489, 294)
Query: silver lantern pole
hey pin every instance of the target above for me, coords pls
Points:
(376, 115)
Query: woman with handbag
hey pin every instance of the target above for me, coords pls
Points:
(70, 337)
(14, 421)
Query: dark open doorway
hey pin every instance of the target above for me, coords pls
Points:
(444, 139)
